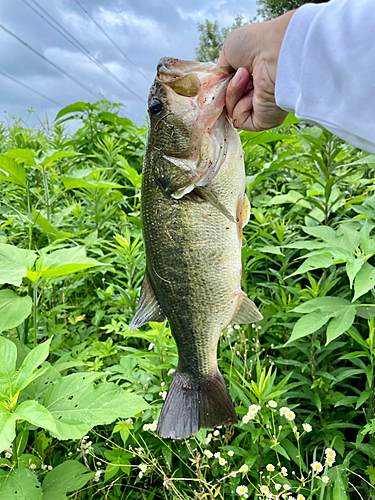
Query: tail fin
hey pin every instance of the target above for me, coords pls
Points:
(192, 404)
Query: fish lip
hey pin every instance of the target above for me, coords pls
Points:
(170, 68)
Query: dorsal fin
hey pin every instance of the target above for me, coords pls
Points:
(148, 307)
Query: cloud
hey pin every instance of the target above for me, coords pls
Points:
(145, 31)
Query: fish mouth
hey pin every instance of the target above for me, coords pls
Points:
(204, 83)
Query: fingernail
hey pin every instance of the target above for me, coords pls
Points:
(237, 78)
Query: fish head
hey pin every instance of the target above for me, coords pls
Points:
(185, 106)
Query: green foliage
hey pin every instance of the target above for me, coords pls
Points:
(80, 394)
(269, 9)
(212, 37)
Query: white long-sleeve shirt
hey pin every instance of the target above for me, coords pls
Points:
(326, 69)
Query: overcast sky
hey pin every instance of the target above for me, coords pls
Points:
(144, 30)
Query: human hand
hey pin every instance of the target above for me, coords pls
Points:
(253, 51)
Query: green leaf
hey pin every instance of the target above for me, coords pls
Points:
(324, 260)
(254, 138)
(290, 197)
(19, 484)
(167, 454)
(72, 108)
(77, 405)
(27, 371)
(8, 359)
(13, 263)
(363, 398)
(13, 309)
(73, 183)
(309, 323)
(346, 401)
(339, 490)
(7, 429)
(47, 227)
(323, 303)
(340, 324)
(325, 233)
(269, 249)
(353, 266)
(22, 155)
(66, 261)
(290, 120)
(367, 449)
(57, 155)
(12, 172)
(355, 335)
(364, 280)
(124, 429)
(37, 415)
(67, 477)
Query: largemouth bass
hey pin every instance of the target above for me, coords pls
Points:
(194, 207)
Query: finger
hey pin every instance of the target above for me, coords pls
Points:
(243, 112)
(239, 84)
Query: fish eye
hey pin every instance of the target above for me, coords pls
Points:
(155, 107)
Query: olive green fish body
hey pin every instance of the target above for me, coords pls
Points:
(194, 261)
(193, 209)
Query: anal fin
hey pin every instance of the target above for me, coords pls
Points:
(247, 312)
(148, 308)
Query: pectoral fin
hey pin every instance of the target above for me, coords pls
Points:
(148, 307)
(246, 211)
(207, 195)
(247, 312)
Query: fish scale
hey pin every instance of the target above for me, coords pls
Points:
(193, 208)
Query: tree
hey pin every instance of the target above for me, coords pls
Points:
(212, 37)
(269, 9)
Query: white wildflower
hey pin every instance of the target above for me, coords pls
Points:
(242, 490)
(317, 467)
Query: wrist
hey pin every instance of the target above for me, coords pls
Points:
(273, 38)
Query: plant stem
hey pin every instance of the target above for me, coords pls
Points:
(29, 213)
(35, 296)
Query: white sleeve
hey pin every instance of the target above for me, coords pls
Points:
(326, 69)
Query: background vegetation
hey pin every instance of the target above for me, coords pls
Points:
(212, 36)
(80, 393)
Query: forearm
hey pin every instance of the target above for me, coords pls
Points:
(326, 69)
